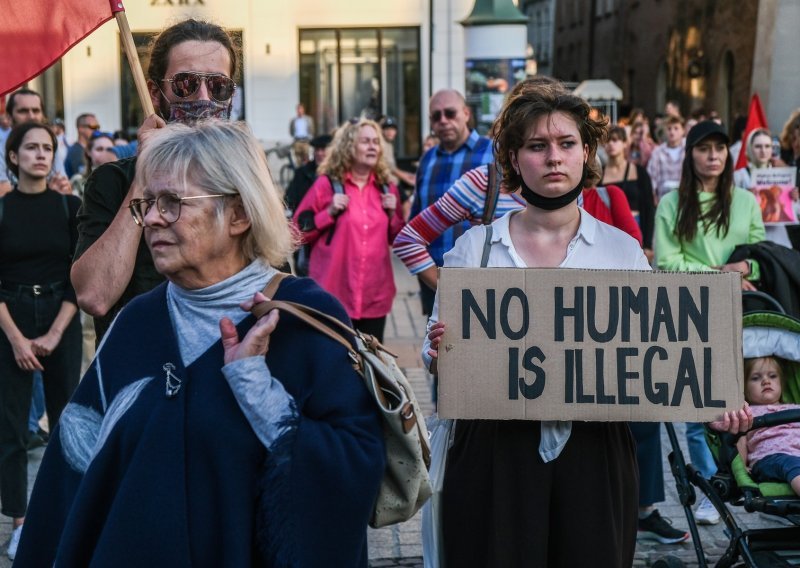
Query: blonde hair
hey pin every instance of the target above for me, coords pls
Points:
(223, 157)
(341, 152)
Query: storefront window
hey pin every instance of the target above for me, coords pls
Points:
(132, 113)
(363, 72)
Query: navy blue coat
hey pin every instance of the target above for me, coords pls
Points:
(132, 477)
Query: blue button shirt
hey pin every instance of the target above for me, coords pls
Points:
(438, 170)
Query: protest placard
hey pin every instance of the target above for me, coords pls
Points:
(773, 189)
(560, 344)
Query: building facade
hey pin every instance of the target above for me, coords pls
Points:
(340, 59)
(698, 52)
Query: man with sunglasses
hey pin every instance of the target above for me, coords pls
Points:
(190, 76)
(87, 125)
(460, 149)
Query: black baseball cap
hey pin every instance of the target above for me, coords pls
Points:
(703, 130)
(388, 122)
(321, 141)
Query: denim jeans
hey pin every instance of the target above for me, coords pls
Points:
(699, 454)
(37, 403)
(33, 315)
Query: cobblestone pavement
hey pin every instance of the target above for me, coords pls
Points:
(400, 546)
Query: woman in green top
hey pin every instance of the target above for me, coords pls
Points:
(696, 229)
(699, 225)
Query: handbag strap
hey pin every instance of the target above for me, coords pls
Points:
(273, 284)
(492, 195)
(487, 246)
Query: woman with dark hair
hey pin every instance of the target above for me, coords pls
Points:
(580, 481)
(698, 226)
(38, 233)
(634, 180)
(696, 229)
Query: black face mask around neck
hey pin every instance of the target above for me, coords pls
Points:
(552, 203)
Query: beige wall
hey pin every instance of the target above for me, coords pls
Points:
(270, 35)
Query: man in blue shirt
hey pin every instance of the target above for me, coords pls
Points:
(460, 149)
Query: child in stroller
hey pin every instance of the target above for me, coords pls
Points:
(772, 454)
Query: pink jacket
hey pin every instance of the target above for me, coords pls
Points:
(356, 265)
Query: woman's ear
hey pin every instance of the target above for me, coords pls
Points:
(585, 153)
(239, 222)
(514, 163)
(12, 157)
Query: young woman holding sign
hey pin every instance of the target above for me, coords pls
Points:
(527, 493)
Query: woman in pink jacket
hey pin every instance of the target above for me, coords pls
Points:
(350, 216)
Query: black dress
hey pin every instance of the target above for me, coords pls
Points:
(640, 198)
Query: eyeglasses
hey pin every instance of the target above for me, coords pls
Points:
(187, 83)
(168, 206)
(449, 114)
(91, 126)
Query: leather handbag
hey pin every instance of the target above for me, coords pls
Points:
(405, 486)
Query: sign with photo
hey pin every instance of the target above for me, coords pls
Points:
(773, 189)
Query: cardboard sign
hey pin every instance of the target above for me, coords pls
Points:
(601, 345)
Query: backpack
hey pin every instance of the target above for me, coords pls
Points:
(405, 486)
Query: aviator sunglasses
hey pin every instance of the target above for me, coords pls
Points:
(187, 83)
(449, 114)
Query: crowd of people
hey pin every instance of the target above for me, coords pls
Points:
(216, 436)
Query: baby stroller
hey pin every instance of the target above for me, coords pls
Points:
(765, 333)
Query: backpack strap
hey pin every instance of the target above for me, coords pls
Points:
(487, 246)
(2, 206)
(338, 189)
(602, 193)
(65, 205)
(492, 195)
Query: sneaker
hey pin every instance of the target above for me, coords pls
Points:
(656, 527)
(14, 542)
(706, 514)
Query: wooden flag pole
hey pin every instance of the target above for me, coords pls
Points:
(133, 60)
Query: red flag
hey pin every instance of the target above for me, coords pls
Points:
(37, 32)
(755, 119)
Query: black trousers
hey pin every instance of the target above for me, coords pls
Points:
(33, 315)
(503, 506)
(371, 326)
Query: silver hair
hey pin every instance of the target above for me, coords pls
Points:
(224, 157)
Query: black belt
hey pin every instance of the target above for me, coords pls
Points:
(34, 289)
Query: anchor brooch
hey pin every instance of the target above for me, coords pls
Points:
(173, 383)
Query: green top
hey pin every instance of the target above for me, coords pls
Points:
(707, 249)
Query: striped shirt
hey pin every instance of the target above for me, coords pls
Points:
(665, 172)
(464, 201)
(438, 170)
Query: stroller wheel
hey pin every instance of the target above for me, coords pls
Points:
(669, 562)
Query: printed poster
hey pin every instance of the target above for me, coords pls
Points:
(773, 189)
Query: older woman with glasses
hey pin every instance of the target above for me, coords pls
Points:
(200, 435)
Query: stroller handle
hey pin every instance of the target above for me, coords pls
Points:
(776, 418)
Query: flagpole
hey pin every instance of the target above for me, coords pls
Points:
(133, 60)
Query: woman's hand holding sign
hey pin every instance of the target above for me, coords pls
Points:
(435, 337)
